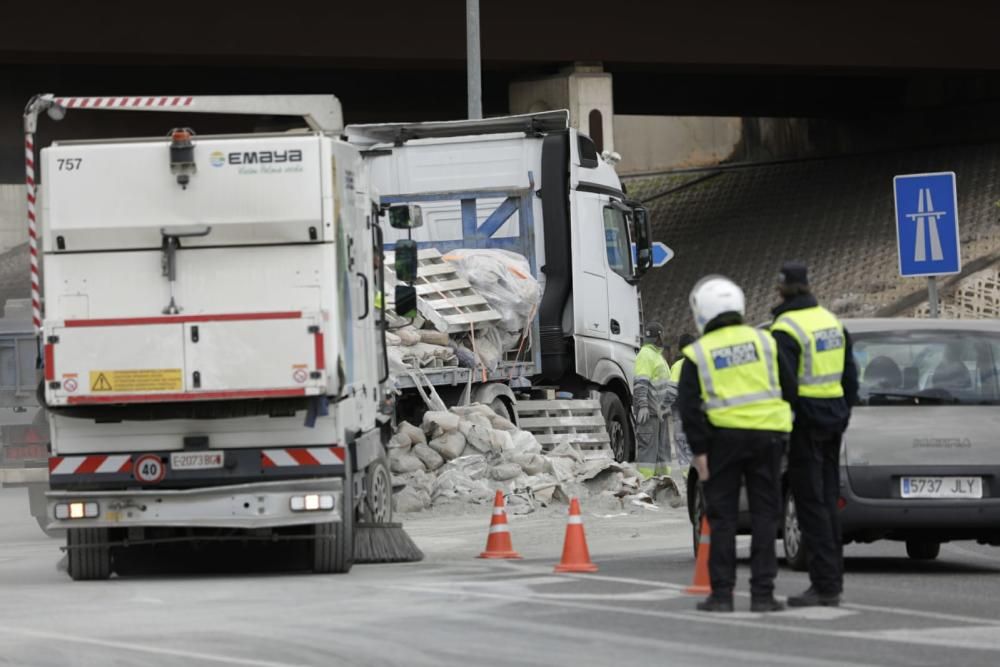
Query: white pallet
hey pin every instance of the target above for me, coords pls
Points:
(444, 298)
(577, 422)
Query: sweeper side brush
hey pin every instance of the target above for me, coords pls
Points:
(384, 543)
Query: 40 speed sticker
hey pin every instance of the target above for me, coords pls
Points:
(149, 468)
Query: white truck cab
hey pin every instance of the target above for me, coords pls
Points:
(536, 186)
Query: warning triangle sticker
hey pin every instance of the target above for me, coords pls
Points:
(101, 384)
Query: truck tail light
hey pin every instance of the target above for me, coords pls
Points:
(311, 502)
(77, 510)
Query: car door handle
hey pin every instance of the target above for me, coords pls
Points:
(615, 327)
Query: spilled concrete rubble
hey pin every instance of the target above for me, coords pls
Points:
(463, 455)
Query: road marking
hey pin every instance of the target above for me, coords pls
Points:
(983, 637)
(899, 611)
(651, 596)
(657, 646)
(141, 648)
(919, 613)
(801, 613)
(692, 616)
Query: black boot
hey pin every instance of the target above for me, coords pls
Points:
(765, 604)
(813, 598)
(712, 603)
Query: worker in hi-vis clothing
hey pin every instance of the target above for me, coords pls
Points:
(734, 398)
(652, 395)
(682, 449)
(819, 348)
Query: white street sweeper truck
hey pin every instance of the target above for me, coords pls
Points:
(213, 362)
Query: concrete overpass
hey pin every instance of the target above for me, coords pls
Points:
(781, 79)
(849, 62)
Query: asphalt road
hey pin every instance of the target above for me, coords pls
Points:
(453, 609)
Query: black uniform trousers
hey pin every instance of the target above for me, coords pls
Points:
(814, 477)
(735, 456)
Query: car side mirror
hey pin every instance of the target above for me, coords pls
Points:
(406, 261)
(405, 216)
(406, 301)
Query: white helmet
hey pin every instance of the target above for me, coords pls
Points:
(714, 295)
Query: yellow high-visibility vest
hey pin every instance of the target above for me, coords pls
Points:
(821, 337)
(650, 364)
(738, 372)
(675, 370)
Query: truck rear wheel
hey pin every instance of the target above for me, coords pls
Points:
(378, 493)
(333, 548)
(89, 553)
(502, 409)
(617, 422)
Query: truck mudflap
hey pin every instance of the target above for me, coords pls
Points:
(193, 468)
(238, 506)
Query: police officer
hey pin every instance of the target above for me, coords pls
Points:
(652, 396)
(734, 398)
(816, 343)
(681, 447)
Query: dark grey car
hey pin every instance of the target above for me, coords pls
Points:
(920, 462)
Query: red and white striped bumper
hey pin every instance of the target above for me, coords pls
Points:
(240, 466)
(88, 465)
(288, 457)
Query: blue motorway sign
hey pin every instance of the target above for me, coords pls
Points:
(661, 254)
(927, 224)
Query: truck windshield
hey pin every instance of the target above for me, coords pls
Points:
(616, 239)
(928, 367)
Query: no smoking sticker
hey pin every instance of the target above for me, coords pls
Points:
(300, 376)
(149, 468)
(70, 385)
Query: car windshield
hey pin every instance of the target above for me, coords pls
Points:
(928, 367)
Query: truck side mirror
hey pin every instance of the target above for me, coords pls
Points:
(406, 301)
(643, 242)
(405, 216)
(406, 261)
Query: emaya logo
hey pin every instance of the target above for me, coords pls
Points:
(217, 158)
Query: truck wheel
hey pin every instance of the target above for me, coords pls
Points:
(378, 494)
(918, 550)
(795, 551)
(617, 422)
(333, 549)
(89, 553)
(502, 409)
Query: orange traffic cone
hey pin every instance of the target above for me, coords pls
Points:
(575, 556)
(498, 542)
(702, 584)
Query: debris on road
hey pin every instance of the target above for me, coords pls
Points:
(466, 454)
